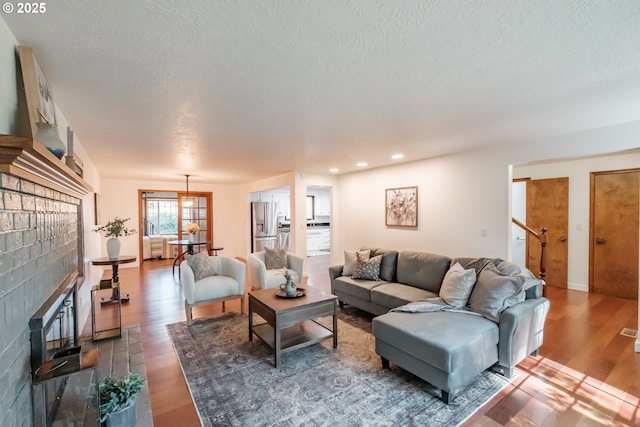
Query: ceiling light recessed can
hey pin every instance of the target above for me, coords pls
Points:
(397, 156)
(334, 170)
(361, 164)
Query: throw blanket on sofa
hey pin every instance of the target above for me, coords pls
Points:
(430, 305)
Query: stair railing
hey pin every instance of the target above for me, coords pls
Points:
(542, 237)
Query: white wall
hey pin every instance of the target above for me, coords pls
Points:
(8, 82)
(458, 197)
(578, 171)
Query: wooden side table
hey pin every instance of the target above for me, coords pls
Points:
(290, 322)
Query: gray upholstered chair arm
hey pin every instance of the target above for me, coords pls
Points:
(257, 271)
(521, 330)
(296, 263)
(335, 271)
(234, 268)
(188, 281)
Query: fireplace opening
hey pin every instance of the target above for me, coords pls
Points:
(54, 336)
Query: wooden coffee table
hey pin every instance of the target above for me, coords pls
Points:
(290, 322)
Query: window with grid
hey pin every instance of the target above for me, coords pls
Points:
(162, 216)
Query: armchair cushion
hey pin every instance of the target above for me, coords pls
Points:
(275, 258)
(201, 265)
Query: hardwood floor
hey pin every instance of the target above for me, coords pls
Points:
(586, 373)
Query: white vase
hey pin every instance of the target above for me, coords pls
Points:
(190, 237)
(113, 248)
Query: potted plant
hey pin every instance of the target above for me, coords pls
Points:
(114, 229)
(118, 398)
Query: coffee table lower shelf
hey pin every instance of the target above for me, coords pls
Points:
(297, 336)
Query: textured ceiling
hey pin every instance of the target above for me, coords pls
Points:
(232, 91)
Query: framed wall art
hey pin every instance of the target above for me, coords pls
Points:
(401, 207)
(96, 205)
(37, 90)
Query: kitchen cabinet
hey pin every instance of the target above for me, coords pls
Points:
(318, 239)
(325, 239)
(314, 241)
(322, 205)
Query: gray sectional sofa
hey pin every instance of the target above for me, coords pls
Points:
(496, 320)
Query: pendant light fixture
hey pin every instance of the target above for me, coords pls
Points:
(187, 202)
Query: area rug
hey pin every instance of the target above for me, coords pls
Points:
(233, 381)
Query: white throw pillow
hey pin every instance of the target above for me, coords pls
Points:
(457, 285)
(350, 260)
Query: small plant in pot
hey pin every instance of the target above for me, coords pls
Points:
(118, 398)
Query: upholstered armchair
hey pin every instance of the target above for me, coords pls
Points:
(262, 277)
(215, 279)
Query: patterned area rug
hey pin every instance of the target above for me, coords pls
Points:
(233, 382)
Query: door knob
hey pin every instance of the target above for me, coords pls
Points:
(600, 240)
(563, 238)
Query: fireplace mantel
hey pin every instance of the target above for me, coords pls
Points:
(27, 158)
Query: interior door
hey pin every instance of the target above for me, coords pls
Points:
(548, 206)
(614, 233)
(195, 209)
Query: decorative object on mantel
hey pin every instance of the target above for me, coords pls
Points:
(192, 229)
(71, 159)
(40, 104)
(118, 398)
(114, 229)
(401, 207)
(47, 135)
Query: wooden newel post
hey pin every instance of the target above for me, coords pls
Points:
(543, 257)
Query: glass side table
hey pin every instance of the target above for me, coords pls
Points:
(106, 311)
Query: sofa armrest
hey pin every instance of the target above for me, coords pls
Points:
(334, 272)
(521, 330)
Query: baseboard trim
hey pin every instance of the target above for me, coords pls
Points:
(578, 287)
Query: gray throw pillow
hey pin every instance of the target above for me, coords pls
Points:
(275, 258)
(201, 265)
(494, 292)
(532, 285)
(367, 269)
(457, 285)
(388, 264)
(350, 258)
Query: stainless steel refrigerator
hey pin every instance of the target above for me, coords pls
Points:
(264, 225)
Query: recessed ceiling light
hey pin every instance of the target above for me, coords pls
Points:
(361, 164)
(334, 170)
(397, 156)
